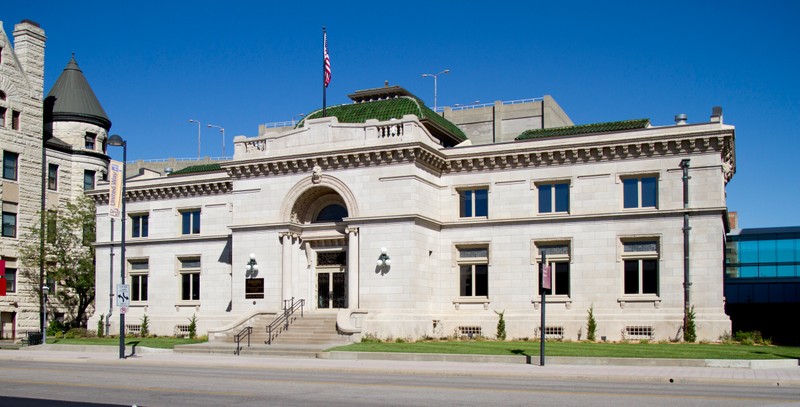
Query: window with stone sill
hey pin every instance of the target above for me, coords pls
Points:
(640, 192)
(140, 225)
(189, 273)
(553, 197)
(473, 277)
(139, 273)
(473, 203)
(640, 268)
(2, 116)
(190, 221)
(558, 257)
(88, 179)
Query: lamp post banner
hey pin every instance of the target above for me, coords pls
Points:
(546, 277)
(115, 189)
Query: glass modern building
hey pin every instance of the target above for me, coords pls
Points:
(762, 281)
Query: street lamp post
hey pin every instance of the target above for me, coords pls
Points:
(300, 116)
(117, 141)
(45, 291)
(198, 137)
(435, 84)
(221, 130)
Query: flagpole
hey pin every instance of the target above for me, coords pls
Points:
(324, 75)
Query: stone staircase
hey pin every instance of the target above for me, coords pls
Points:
(305, 337)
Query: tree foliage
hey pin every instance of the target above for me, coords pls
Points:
(68, 259)
(591, 325)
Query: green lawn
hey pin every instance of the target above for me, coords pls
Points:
(584, 349)
(162, 342)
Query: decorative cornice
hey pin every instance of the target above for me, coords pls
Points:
(393, 154)
(150, 193)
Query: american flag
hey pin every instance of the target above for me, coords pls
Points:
(327, 62)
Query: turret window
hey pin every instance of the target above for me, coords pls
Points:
(90, 140)
(52, 177)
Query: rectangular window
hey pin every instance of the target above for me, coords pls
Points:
(139, 278)
(190, 222)
(473, 203)
(558, 257)
(52, 177)
(88, 180)
(640, 267)
(2, 117)
(10, 165)
(90, 140)
(9, 224)
(640, 192)
(15, 120)
(473, 279)
(553, 197)
(190, 279)
(140, 225)
(11, 280)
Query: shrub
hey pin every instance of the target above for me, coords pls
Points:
(100, 326)
(76, 333)
(591, 325)
(55, 327)
(193, 326)
(370, 338)
(144, 330)
(690, 333)
(501, 326)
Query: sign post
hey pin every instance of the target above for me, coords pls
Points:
(545, 285)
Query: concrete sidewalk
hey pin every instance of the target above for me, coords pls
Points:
(653, 372)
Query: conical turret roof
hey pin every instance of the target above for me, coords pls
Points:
(72, 99)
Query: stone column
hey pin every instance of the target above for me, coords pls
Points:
(287, 241)
(352, 268)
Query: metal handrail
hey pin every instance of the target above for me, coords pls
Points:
(281, 323)
(247, 331)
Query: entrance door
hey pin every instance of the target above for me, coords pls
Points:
(331, 280)
(7, 328)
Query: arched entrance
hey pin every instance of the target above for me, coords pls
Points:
(319, 212)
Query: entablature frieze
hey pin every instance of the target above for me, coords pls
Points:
(168, 191)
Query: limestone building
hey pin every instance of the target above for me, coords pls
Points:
(400, 222)
(53, 148)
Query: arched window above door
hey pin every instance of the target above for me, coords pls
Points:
(331, 213)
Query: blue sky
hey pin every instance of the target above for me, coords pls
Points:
(155, 65)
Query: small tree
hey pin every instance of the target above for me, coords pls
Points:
(193, 326)
(68, 258)
(690, 334)
(145, 327)
(100, 327)
(501, 326)
(591, 325)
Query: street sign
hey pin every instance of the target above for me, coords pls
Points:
(123, 310)
(123, 295)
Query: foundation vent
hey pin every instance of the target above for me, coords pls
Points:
(470, 331)
(182, 331)
(133, 329)
(638, 332)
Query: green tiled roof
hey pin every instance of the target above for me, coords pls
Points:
(394, 108)
(585, 128)
(72, 99)
(197, 168)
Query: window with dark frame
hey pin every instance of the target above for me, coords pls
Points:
(473, 203)
(553, 197)
(558, 257)
(15, 117)
(190, 221)
(11, 280)
(190, 279)
(473, 280)
(139, 279)
(640, 260)
(2, 116)
(10, 165)
(9, 224)
(140, 225)
(52, 177)
(88, 179)
(641, 192)
(90, 140)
